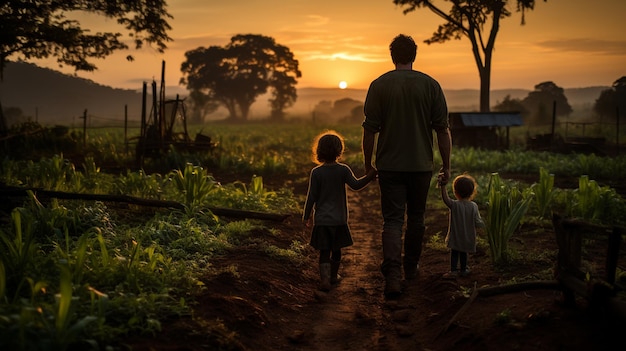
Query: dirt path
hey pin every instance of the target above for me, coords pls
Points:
(355, 315)
(350, 314)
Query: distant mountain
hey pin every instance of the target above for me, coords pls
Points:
(52, 97)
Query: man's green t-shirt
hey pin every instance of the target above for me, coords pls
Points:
(404, 107)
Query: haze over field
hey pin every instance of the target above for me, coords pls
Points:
(52, 97)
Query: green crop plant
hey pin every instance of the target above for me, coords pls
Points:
(596, 203)
(544, 192)
(140, 184)
(195, 185)
(18, 250)
(506, 206)
(74, 255)
(44, 324)
(253, 197)
(67, 331)
(56, 173)
(293, 255)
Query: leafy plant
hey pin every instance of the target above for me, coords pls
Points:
(195, 185)
(505, 208)
(18, 249)
(544, 192)
(594, 202)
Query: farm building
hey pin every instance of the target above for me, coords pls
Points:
(487, 130)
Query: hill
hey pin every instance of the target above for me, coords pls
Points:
(51, 97)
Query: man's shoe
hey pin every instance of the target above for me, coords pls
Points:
(410, 273)
(393, 288)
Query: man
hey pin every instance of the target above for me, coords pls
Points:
(402, 108)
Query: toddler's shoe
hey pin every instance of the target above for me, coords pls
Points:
(465, 272)
(450, 275)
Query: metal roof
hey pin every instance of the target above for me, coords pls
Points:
(491, 119)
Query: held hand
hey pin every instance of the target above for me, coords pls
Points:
(443, 177)
(440, 182)
(371, 173)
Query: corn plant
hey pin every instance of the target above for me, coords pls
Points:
(506, 206)
(18, 249)
(195, 185)
(56, 173)
(544, 192)
(140, 184)
(596, 203)
(67, 332)
(254, 197)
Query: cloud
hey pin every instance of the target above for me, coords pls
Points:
(316, 21)
(334, 56)
(333, 47)
(205, 40)
(586, 45)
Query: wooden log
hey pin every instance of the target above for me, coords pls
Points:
(218, 211)
(498, 290)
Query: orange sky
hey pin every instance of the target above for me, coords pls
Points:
(574, 43)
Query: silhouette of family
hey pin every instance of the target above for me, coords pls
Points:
(402, 109)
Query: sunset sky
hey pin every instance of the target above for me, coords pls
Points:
(574, 43)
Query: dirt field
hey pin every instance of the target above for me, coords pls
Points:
(274, 306)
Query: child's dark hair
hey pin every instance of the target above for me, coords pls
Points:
(464, 187)
(327, 147)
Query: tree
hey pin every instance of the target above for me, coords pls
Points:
(467, 18)
(236, 74)
(38, 29)
(509, 104)
(540, 103)
(612, 101)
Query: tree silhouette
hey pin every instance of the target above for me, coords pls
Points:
(236, 74)
(612, 101)
(509, 104)
(468, 18)
(540, 103)
(38, 29)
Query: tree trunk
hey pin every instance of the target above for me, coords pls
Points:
(245, 110)
(485, 86)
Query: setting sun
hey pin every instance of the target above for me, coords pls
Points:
(343, 84)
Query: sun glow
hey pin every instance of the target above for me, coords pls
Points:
(343, 84)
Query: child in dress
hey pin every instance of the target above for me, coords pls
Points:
(464, 218)
(326, 207)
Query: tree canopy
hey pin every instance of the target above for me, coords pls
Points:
(541, 102)
(236, 74)
(44, 28)
(469, 18)
(37, 29)
(612, 101)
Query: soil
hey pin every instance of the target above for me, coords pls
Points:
(273, 305)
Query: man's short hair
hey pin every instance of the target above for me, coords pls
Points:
(403, 49)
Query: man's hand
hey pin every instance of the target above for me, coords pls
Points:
(443, 177)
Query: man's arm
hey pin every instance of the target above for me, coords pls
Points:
(367, 145)
(444, 142)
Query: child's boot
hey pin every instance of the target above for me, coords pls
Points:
(334, 270)
(325, 276)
